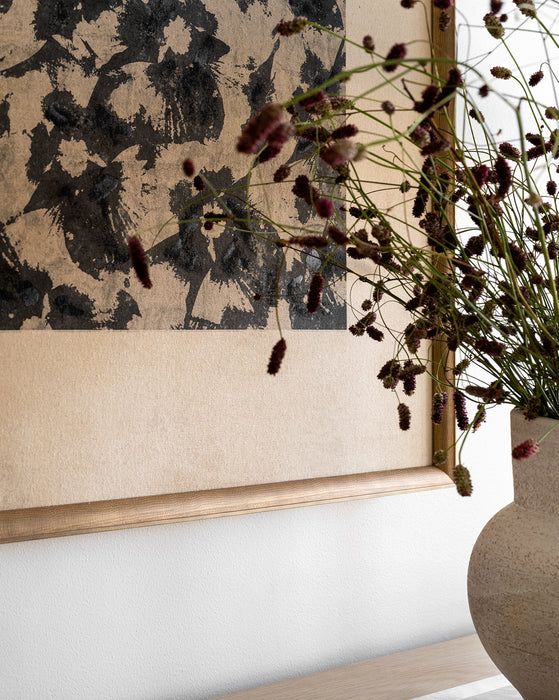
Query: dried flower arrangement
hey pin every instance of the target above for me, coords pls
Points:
(484, 282)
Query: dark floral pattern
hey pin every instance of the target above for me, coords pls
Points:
(103, 101)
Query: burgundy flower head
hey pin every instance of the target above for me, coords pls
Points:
(139, 261)
(481, 174)
(504, 176)
(324, 207)
(368, 43)
(259, 128)
(315, 293)
(317, 102)
(188, 167)
(345, 132)
(337, 235)
(276, 358)
(339, 153)
(460, 410)
(440, 399)
(535, 78)
(293, 26)
(397, 53)
(404, 416)
(453, 82)
(525, 449)
(282, 173)
(276, 141)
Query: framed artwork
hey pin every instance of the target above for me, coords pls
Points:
(126, 406)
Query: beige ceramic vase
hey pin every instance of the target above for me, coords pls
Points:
(513, 579)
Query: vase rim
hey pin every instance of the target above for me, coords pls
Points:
(517, 412)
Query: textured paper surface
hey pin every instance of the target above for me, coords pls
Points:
(114, 414)
(101, 102)
(92, 416)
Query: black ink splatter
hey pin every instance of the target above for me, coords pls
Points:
(324, 12)
(259, 88)
(70, 309)
(92, 209)
(22, 288)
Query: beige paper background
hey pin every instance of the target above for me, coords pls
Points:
(108, 414)
(93, 416)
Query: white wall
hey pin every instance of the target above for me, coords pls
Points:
(202, 608)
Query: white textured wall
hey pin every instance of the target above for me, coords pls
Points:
(198, 609)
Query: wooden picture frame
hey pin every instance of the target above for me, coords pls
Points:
(78, 518)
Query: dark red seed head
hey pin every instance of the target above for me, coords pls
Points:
(404, 416)
(291, 27)
(315, 293)
(345, 132)
(525, 449)
(282, 173)
(368, 43)
(535, 78)
(460, 410)
(276, 357)
(188, 167)
(396, 54)
(139, 261)
(337, 235)
(324, 207)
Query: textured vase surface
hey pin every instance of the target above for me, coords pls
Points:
(513, 579)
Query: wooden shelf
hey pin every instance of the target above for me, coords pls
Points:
(401, 676)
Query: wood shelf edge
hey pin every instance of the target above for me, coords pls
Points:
(80, 518)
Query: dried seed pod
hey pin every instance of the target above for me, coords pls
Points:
(463, 480)
(368, 43)
(494, 25)
(259, 128)
(276, 357)
(409, 384)
(337, 235)
(440, 399)
(404, 416)
(479, 418)
(460, 410)
(396, 54)
(501, 72)
(282, 173)
(139, 261)
(315, 293)
(375, 334)
(509, 151)
(291, 27)
(504, 176)
(188, 167)
(345, 132)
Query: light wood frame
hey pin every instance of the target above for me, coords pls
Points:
(79, 518)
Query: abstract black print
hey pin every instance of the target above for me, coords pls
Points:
(100, 102)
